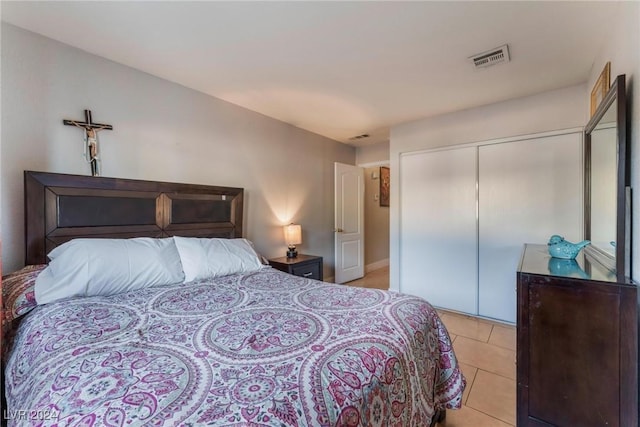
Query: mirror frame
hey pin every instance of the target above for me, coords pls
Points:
(621, 263)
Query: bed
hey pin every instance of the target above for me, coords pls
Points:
(251, 348)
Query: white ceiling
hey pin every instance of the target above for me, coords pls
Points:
(338, 69)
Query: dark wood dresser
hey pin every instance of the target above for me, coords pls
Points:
(577, 351)
(308, 266)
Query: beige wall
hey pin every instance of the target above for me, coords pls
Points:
(376, 222)
(162, 131)
(622, 49)
(376, 217)
(375, 153)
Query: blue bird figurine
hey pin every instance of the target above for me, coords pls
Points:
(560, 248)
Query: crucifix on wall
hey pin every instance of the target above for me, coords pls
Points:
(91, 130)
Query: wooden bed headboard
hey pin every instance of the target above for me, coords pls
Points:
(60, 207)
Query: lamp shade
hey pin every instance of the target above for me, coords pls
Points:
(293, 234)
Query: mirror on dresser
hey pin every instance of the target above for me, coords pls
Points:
(607, 182)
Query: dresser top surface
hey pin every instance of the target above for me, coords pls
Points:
(536, 260)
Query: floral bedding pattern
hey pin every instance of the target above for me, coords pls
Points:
(258, 349)
(18, 291)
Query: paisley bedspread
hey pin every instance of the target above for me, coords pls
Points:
(258, 349)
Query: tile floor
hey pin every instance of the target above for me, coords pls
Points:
(486, 353)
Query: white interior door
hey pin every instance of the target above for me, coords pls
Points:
(349, 222)
(438, 243)
(529, 190)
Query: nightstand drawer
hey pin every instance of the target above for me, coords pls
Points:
(310, 271)
(308, 266)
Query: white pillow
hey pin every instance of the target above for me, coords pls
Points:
(207, 258)
(86, 267)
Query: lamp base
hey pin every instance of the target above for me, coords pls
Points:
(292, 253)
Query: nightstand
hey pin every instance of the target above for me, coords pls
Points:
(308, 266)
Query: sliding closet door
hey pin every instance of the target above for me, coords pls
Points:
(528, 191)
(438, 258)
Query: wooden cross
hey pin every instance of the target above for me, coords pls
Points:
(91, 138)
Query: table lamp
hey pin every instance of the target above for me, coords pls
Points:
(293, 237)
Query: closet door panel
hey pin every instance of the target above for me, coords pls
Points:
(438, 244)
(528, 191)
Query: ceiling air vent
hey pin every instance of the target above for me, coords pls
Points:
(354, 138)
(491, 57)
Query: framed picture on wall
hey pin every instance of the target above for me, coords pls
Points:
(601, 87)
(385, 187)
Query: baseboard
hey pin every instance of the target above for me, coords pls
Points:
(376, 265)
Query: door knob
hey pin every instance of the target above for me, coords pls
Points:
(338, 230)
